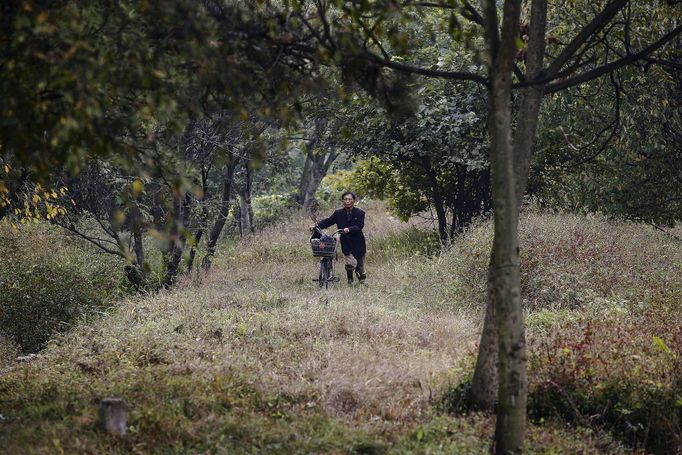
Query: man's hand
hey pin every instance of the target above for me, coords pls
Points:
(346, 230)
(311, 227)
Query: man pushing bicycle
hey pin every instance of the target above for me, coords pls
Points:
(350, 220)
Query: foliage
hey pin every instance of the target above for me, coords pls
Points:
(333, 185)
(23, 202)
(49, 282)
(619, 375)
(627, 163)
(435, 159)
(273, 209)
(381, 180)
(98, 79)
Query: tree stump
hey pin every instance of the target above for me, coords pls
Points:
(112, 416)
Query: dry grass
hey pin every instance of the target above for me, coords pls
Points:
(255, 358)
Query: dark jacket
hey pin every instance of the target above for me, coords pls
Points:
(353, 242)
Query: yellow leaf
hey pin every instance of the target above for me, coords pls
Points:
(137, 187)
(42, 17)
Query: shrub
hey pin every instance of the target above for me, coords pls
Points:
(333, 185)
(269, 209)
(49, 281)
(621, 374)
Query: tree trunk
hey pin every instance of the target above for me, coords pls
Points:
(484, 382)
(314, 179)
(316, 165)
(138, 275)
(506, 288)
(485, 375)
(246, 211)
(437, 200)
(223, 210)
(319, 165)
(199, 233)
(177, 239)
(505, 280)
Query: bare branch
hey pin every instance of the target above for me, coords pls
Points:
(99, 243)
(613, 126)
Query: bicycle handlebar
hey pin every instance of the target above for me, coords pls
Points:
(318, 229)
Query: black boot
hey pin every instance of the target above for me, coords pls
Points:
(349, 274)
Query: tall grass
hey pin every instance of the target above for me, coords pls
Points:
(254, 358)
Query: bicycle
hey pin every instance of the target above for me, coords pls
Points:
(324, 247)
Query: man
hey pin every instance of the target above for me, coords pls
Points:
(350, 220)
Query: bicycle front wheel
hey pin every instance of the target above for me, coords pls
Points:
(323, 272)
(330, 272)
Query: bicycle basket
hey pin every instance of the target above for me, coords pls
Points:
(324, 246)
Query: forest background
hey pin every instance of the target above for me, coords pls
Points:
(160, 134)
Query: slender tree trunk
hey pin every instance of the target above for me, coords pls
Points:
(177, 239)
(319, 167)
(315, 177)
(316, 165)
(223, 210)
(246, 211)
(244, 219)
(485, 381)
(136, 227)
(506, 288)
(505, 280)
(202, 221)
(138, 247)
(437, 200)
(529, 112)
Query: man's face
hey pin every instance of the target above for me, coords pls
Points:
(348, 201)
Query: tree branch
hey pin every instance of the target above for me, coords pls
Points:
(595, 73)
(405, 68)
(596, 24)
(94, 240)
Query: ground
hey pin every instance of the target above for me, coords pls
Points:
(255, 358)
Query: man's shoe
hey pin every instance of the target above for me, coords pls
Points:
(349, 274)
(361, 276)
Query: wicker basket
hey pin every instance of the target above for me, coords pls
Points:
(326, 246)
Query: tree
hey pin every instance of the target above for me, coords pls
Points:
(617, 150)
(435, 159)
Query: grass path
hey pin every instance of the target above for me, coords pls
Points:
(255, 353)
(374, 352)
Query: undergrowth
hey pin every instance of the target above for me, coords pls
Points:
(253, 358)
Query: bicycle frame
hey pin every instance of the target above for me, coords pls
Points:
(327, 274)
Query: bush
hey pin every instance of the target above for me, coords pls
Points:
(49, 281)
(333, 185)
(620, 374)
(269, 209)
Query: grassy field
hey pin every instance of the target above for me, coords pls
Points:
(254, 358)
